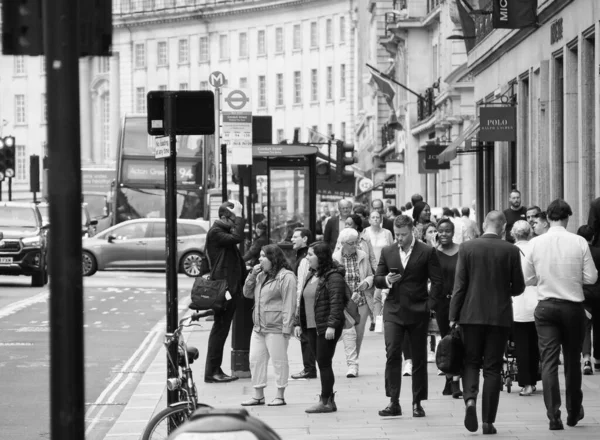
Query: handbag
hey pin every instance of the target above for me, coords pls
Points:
(449, 356)
(209, 294)
(379, 324)
(351, 308)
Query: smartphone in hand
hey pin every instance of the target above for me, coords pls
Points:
(394, 270)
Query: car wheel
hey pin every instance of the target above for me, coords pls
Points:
(89, 264)
(39, 279)
(190, 264)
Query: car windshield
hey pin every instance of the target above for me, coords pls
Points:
(19, 217)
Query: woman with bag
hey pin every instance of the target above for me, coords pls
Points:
(448, 256)
(273, 286)
(359, 277)
(321, 317)
(524, 331)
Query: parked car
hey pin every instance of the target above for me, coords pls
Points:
(23, 242)
(88, 224)
(140, 244)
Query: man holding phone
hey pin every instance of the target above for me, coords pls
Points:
(404, 268)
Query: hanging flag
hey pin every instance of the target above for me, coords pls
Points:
(514, 14)
(384, 86)
(467, 23)
(315, 137)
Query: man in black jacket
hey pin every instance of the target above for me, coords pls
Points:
(404, 268)
(224, 262)
(336, 223)
(488, 275)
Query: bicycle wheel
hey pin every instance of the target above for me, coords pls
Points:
(165, 422)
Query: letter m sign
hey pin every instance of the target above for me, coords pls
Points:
(216, 79)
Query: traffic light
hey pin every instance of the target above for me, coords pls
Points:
(7, 157)
(342, 160)
(22, 27)
(34, 173)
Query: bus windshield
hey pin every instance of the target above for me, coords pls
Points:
(133, 203)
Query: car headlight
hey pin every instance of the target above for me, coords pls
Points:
(32, 241)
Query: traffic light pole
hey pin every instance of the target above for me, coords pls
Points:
(10, 189)
(61, 40)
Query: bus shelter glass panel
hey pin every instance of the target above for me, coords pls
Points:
(288, 202)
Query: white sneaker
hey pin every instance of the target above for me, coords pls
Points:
(407, 371)
(431, 357)
(352, 371)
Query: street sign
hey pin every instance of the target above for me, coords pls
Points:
(236, 130)
(389, 190)
(216, 79)
(162, 149)
(283, 150)
(365, 185)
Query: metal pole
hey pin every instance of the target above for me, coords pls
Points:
(10, 189)
(224, 172)
(67, 403)
(0, 191)
(394, 81)
(171, 241)
(217, 132)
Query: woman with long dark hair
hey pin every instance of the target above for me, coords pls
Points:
(273, 286)
(321, 317)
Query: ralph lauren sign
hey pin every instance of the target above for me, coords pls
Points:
(498, 124)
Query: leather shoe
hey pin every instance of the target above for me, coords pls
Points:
(219, 378)
(572, 421)
(304, 375)
(418, 410)
(556, 425)
(393, 409)
(488, 428)
(471, 422)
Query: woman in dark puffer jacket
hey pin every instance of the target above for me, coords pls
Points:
(321, 317)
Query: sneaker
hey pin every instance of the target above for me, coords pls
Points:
(587, 368)
(431, 357)
(407, 370)
(304, 375)
(352, 371)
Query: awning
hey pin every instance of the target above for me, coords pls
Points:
(449, 154)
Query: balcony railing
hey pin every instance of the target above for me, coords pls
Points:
(426, 105)
(432, 5)
(483, 22)
(388, 136)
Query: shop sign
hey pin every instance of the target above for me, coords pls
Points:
(389, 190)
(514, 14)
(498, 124)
(431, 158)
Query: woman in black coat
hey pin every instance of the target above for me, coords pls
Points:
(321, 317)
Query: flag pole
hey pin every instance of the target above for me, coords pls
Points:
(394, 81)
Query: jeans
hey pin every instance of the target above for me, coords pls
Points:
(586, 348)
(353, 337)
(560, 323)
(324, 350)
(527, 352)
(395, 336)
(216, 339)
(308, 356)
(262, 347)
(484, 348)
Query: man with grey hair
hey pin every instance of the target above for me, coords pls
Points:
(336, 223)
(488, 275)
(559, 264)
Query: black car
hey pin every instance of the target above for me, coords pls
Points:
(23, 242)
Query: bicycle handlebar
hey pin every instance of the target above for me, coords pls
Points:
(198, 315)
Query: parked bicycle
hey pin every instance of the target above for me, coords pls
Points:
(167, 420)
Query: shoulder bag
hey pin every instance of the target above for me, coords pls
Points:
(351, 310)
(209, 294)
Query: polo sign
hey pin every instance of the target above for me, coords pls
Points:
(498, 124)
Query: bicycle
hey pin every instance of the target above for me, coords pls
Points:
(170, 418)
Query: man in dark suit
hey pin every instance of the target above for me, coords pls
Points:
(386, 223)
(488, 275)
(225, 262)
(594, 221)
(336, 223)
(404, 268)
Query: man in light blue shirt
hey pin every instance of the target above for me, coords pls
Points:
(559, 264)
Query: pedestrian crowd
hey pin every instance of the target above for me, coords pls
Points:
(523, 286)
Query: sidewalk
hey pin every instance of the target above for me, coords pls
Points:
(358, 401)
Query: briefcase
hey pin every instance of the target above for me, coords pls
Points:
(449, 356)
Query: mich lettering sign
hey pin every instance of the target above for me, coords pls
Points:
(498, 124)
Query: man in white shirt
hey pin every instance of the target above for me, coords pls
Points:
(559, 264)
